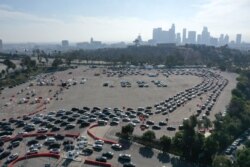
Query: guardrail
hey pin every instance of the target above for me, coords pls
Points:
(57, 156)
(98, 138)
(92, 162)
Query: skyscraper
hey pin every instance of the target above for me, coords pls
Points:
(157, 34)
(184, 35)
(221, 39)
(226, 39)
(205, 36)
(65, 43)
(238, 39)
(171, 34)
(199, 39)
(1, 44)
(178, 38)
(191, 37)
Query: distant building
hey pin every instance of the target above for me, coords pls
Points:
(191, 37)
(178, 38)
(226, 39)
(214, 41)
(163, 36)
(238, 39)
(184, 35)
(65, 43)
(205, 36)
(221, 40)
(1, 44)
(199, 39)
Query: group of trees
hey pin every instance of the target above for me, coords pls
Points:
(222, 57)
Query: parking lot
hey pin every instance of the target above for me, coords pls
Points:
(68, 102)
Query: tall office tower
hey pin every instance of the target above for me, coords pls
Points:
(1, 44)
(221, 40)
(191, 37)
(184, 31)
(238, 39)
(65, 43)
(205, 36)
(199, 39)
(172, 34)
(178, 38)
(157, 34)
(226, 39)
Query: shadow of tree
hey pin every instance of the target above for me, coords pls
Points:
(146, 152)
(163, 157)
(177, 162)
(66, 162)
(126, 144)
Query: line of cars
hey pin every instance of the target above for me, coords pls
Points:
(230, 150)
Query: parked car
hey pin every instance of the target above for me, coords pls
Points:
(116, 146)
(12, 157)
(125, 157)
(55, 151)
(101, 159)
(108, 155)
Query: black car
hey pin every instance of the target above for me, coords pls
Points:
(58, 121)
(87, 151)
(155, 127)
(32, 142)
(71, 119)
(129, 164)
(14, 144)
(4, 154)
(84, 124)
(41, 137)
(59, 137)
(65, 142)
(108, 155)
(170, 128)
(64, 123)
(55, 128)
(101, 159)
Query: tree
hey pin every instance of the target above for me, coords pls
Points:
(165, 142)
(247, 143)
(9, 64)
(243, 157)
(149, 135)
(68, 60)
(57, 62)
(221, 161)
(127, 130)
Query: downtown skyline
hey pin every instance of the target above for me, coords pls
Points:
(114, 21)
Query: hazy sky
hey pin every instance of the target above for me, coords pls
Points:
(118, 20)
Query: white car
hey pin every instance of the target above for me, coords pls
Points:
(82, 144)
(12, 157)
(82, 138)
(42, 130)
(72, 154)
(125, 157)
(116, 146)
(97, 146)
(50, 140)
